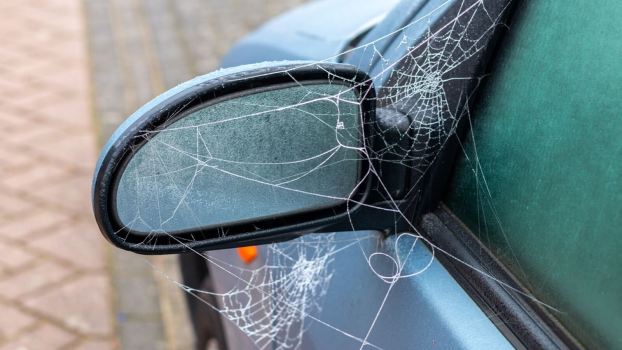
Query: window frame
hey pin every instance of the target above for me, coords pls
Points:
(518, 315)
(514, 311)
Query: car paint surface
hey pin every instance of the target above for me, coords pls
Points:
(319, 30)
(429, 310)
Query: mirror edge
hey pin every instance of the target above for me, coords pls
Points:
(215, 85)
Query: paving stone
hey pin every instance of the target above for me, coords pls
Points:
(142, 335)
(77, 150)
(11, 160)
(70, 112)
(11, 86)
(45, 337)
(34, 223)
(129, 264)
(12, 204)
(80, 244)
(12, 321)
(33, 279)
(32, 137)
(97, 345)
(30, 177)
(137, 296)
(13, 257)
(81, 305)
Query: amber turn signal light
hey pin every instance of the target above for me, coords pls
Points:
(247, 254)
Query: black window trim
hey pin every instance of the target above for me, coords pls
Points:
(523, 320)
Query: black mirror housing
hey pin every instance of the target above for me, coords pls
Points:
(119, 200)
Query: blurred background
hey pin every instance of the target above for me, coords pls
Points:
(70, 72)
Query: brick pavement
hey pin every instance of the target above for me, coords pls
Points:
(61, 286)
(55, 289)
(139, 48)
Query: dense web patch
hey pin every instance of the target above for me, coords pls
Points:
(270, 303)
(274, 303)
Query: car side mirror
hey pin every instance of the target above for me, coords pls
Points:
(241, 156)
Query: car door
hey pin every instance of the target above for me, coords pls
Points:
(361, 302)
(471, 234)
(539, 181)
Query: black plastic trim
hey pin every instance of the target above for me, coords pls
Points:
(524, 322)
(268, 229)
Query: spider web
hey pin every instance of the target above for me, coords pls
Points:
(276, 302)
(271, 303)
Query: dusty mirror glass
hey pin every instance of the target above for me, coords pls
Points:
(270, 153)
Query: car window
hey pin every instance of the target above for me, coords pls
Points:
(540, 181)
